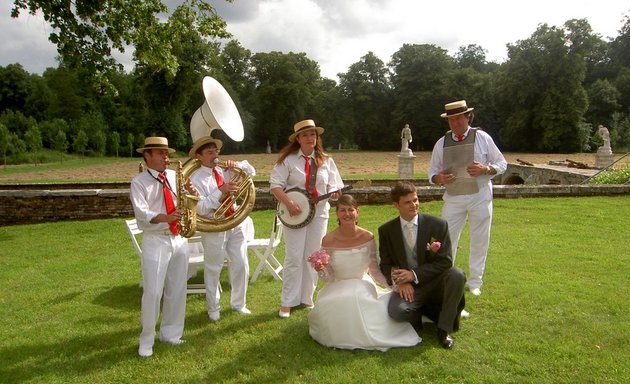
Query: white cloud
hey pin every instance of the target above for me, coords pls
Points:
(337, 33)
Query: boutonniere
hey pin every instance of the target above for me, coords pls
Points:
(434, 245)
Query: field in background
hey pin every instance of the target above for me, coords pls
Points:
(352, 165)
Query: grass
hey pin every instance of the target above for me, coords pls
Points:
(553, 309)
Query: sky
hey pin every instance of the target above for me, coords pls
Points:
(337, 33)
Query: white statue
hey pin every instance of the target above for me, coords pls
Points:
(603, 132)
(406, 138)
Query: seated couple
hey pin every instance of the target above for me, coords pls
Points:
(353, 312)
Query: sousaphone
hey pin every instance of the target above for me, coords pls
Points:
(219, 112)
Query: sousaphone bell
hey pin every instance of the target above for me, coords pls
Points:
(219, 112)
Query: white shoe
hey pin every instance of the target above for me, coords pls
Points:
(214, 315)
(475, 291)
(284, 315)
(145, 351)
(173, 342)
(426, 320)
(465, 314)
(242, 311)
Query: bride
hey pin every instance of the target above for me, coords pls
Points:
(351, 310)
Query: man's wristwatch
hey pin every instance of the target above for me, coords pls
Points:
(488, 170)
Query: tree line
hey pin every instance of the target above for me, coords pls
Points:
(550, 95)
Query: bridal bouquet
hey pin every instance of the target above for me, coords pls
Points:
(319, 259)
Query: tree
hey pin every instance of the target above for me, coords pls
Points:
(4, 142)
(14, 87)
(33, 139)
(603, 101)
(115, 142)
(88, 32)
(66, 100)
(79, 145)
(50, 129)
(99, 141)
(284, 94)
(367, 87)
(421, 78)
(472, 56)
(620, 46)
(60, 143)
(16, 145)
(130, 145)
(541, 99)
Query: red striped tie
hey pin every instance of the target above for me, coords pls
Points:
(459, 137)
(170, 204)
(220, 182)
(307, 173)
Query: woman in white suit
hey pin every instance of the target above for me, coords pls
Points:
(303, 164)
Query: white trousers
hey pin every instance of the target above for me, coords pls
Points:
(299, 279)
(479, 213)
(164, 273)
(215, 247)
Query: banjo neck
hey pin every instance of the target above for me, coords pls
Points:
(317, 199)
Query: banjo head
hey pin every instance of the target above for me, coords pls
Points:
(302, 219)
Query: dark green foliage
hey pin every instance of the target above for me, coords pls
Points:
(554, 90)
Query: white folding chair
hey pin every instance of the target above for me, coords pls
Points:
(195, 258)
(264, 249)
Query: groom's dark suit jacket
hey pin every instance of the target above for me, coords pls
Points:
(430, 264)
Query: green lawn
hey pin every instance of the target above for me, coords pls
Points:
(554, 309)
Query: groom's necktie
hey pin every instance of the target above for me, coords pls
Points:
(410, 235)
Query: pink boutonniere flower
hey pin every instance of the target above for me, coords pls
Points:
(434, 246)
(319, 260)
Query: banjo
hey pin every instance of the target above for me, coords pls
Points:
(307, 204)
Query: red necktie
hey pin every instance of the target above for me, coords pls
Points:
(170, 205)
(459, 137)
(220, 182)
(307, 173)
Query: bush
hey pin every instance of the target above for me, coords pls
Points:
(613, 176)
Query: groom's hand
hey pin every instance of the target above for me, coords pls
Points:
(405, 290)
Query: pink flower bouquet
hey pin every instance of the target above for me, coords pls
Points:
(319, 259)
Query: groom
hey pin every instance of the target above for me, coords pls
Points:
(415, 252)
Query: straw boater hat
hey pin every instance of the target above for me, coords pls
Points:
(155, 142)
(303, 126)
(455, 108)
(201, 142)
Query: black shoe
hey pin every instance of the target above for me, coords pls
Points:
(445, 340)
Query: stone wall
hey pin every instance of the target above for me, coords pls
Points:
(48, 205)
(542, 175)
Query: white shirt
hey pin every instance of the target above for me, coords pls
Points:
(290, 174)
(205, 183)
(147, 198)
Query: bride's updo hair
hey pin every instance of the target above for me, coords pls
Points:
(346, 200)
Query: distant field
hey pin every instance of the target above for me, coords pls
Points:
(352, 165)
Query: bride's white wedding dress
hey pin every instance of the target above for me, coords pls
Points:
(351, 311)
